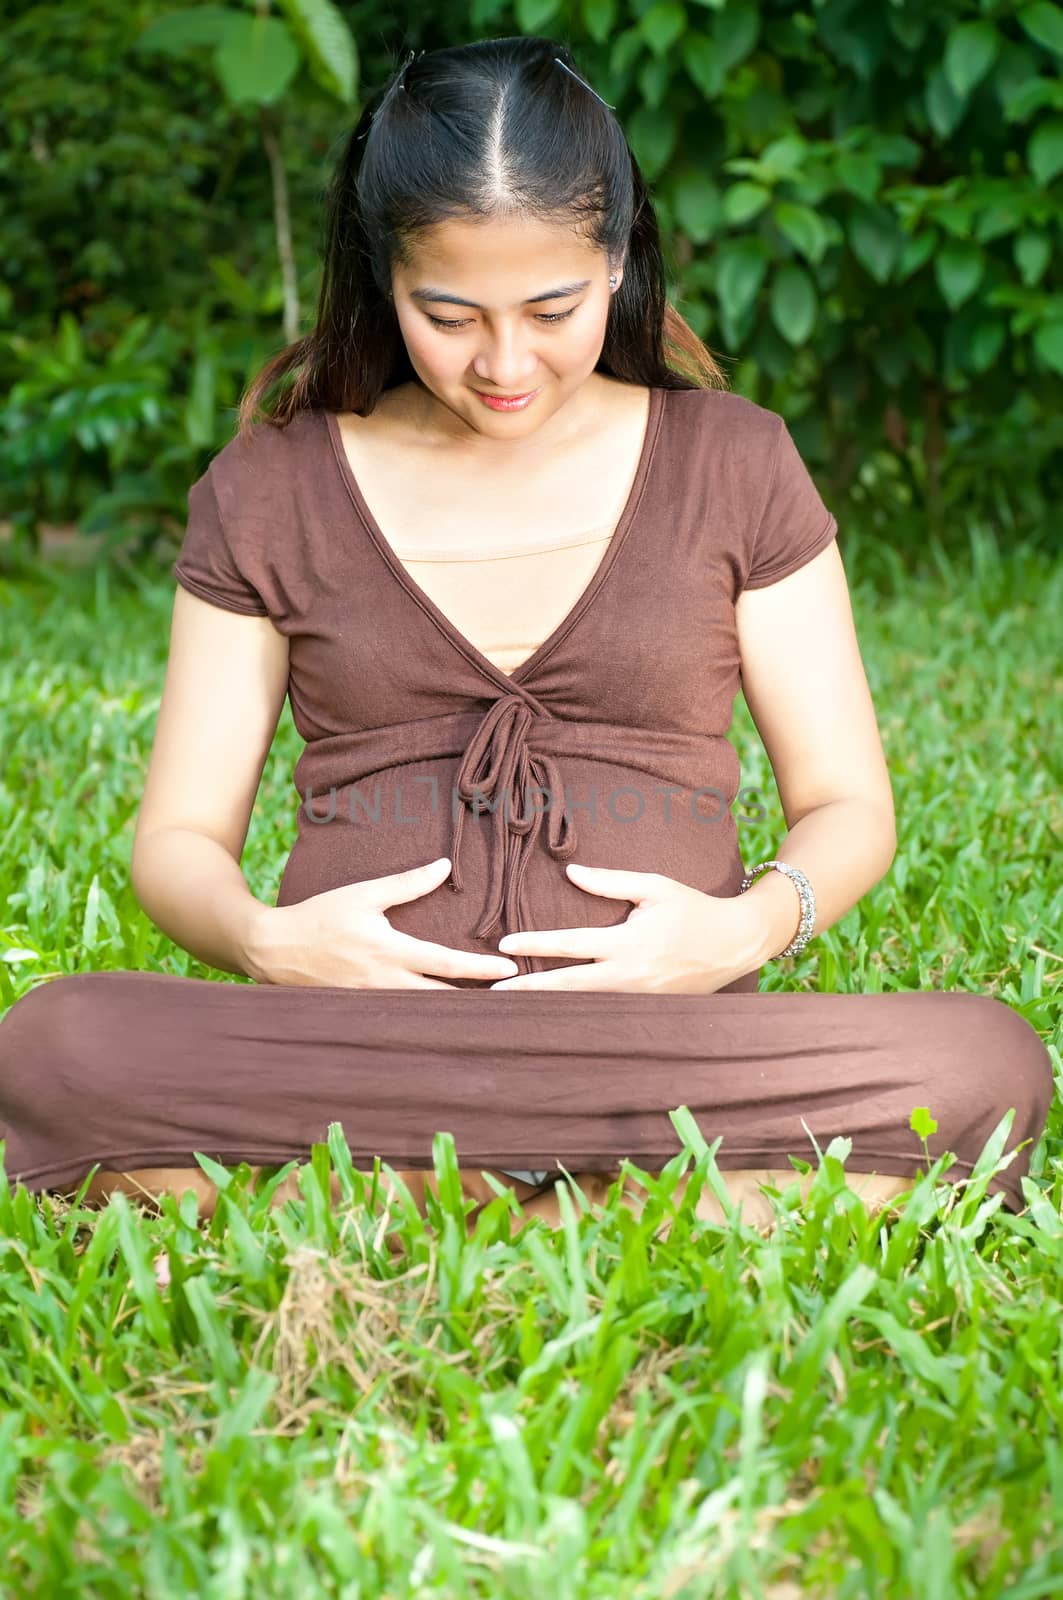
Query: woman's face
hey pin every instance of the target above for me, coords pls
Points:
(509, 338)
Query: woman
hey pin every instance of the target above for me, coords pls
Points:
(512, 635)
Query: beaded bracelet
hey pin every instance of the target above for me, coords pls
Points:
(808, 902)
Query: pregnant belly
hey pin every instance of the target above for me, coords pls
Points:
(404, 817)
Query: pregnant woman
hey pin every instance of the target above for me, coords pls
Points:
(511, 566)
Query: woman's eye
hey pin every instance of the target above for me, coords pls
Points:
(541, 316)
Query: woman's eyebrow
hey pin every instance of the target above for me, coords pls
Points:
(560, 293)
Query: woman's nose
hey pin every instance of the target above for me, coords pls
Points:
(507, 363)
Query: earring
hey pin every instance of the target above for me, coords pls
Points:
(612, 281)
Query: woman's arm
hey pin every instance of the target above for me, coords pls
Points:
(805, 685)
(226, 680)
(194, 890)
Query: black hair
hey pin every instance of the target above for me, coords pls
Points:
(494, 128)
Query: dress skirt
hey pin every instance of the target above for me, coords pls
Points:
(133, 1069)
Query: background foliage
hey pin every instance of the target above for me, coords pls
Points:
(860, 201)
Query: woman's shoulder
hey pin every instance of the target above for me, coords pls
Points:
(724, 408)
(269, 447)
(266, 446)
(267, 470)
(723, 434)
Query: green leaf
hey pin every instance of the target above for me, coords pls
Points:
(985, 345)
(182, 30)
(256, 61)
(1048, 343)
(627, 50)
(653, 132)
(736, 33)
(704, 62)
(956, 217)
(958, 269)
(71, 346)
(859, 172)
(783, 157)
(599, 18)
(916, 1354)
(327, 43)
(821, 1340)
(532, 15)
(993, 1150)
(915, 254)
(894, 150)
(91, 915)
(922, 1123)
(698, 205)
(804, 228)
(875, 242)
(134, 1248)
(741, 201)
(971, 49)
(217, 1174)
(944, 107)
(1044, 23)
(242, 294)
(1032, 252)
(1020, 103)
(662, 25)
(1044, 153)
(199, 408)
(740, 268)
(655, 79)
(794, 303)
(1001, 216)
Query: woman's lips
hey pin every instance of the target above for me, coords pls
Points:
(514, 402)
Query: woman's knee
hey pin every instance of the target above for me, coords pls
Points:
(27, 1024)
(38, 1041)
(46, 1034)
(1012, 1068)
(984, 1060)
(1026, 1064)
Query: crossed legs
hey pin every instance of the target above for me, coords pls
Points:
(148, 1183)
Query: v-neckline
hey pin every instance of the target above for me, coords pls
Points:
(442, 622)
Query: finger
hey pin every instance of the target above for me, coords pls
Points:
(398, 887)
(603, 977)
(615, 884)
(440, 959)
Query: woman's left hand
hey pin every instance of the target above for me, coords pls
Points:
(675, 940)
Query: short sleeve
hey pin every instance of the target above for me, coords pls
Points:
(794, 524)
(207, 564)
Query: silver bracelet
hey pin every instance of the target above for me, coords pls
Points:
(808, 902)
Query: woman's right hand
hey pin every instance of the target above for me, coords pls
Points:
(342, 939)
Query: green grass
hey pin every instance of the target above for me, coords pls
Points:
(852, 1406)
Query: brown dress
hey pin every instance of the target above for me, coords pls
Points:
(607, 745)
(512, 596)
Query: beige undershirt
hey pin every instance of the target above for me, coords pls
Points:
(507, 602)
